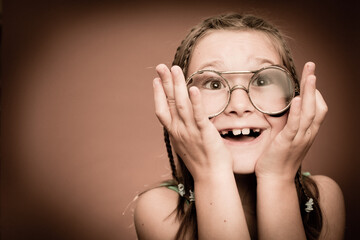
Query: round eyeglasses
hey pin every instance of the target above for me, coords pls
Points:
(270, 89)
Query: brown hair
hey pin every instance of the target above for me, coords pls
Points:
(306, 187)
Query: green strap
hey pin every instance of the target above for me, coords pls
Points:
(172, 187)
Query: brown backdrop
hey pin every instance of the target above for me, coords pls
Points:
(79, 138)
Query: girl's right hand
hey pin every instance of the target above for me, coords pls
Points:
(194, 138)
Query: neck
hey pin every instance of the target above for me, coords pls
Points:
(246, 184)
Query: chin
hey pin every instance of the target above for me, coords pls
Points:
(245, 156)
(244, 163)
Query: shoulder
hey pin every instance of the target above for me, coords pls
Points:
(155, 214)
(332, 206)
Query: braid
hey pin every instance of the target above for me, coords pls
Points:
(170, 155)
(177, 54)
(190, 47)
(312, 222)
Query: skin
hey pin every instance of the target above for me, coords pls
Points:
(253, 53)
(225, 202)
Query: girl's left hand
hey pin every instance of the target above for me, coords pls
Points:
(284, 155)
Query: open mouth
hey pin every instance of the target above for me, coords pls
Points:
(245, 134)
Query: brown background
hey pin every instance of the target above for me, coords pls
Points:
(79, 138)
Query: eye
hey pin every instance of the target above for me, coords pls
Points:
(207, 80)
(214, 84)
(262, 81)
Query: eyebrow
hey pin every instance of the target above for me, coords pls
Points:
(262, 60)
(258, 61)
(213, 63)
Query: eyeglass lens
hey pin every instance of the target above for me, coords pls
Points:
(270, 90)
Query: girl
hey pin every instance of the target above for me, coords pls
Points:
(225, 108)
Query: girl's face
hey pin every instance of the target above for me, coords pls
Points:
(226, 50)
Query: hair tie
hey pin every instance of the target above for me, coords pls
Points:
(181, 189)
(192, 196)
(309, 205)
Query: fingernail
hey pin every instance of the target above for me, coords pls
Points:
(311, 66)
(174, 68)
(156, 81)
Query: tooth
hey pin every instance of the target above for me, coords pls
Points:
(256, 130)
(245, 131)
(236, 131)
(224, 132)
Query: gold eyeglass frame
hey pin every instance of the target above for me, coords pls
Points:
(253, 77)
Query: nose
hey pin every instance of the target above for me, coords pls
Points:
(240, 103)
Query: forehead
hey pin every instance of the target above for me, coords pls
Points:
(233, 50)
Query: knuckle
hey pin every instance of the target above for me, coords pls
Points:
(159, 113)
(306, 137)
(170, 100)
(200, 122)
(321, 116)
(309, 118)
(292, 131)
(308, 132)
(310, 115)
(181, 107)
(325, 109)
(198, 118)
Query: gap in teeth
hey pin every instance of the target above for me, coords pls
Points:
(244, 131)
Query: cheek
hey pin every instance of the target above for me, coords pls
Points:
(277, 123)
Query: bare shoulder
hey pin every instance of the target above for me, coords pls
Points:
(332, 206)
(155, 215)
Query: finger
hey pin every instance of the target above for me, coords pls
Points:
(168, 86)
(182, 100)
(166, 78)
(308, 105)
(161, 105)
(321, 110)
(292, 126)
(198, 110)
(309, 69)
